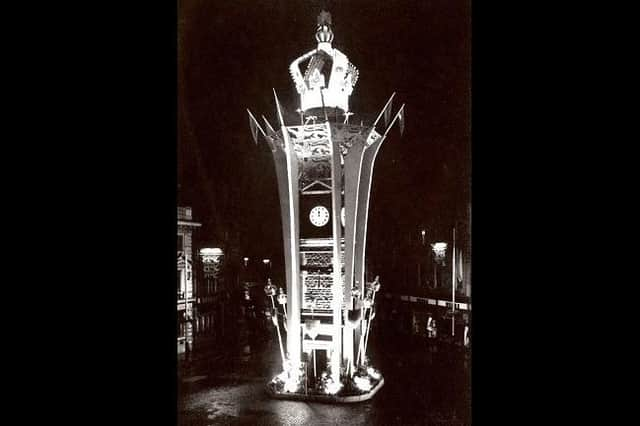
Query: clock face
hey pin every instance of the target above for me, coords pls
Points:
(319, 216)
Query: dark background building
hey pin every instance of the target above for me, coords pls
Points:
(186, 278)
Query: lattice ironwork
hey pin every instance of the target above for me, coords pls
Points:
(322, 260)
(317, 292)
(310, 140)
(348, 135)
(316, 168)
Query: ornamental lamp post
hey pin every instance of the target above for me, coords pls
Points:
(282, 300)
(270, 291)
(375, 287)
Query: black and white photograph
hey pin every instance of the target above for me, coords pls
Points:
(324, 257)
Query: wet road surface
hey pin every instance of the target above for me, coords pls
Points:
(422, 387)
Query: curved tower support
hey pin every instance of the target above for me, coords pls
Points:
(352, 169)
(336, 201)
(362, 210)
(287, 173)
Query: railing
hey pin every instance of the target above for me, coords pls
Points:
(436, 293)
(463, 304)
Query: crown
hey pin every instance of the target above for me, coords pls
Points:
(328, 78)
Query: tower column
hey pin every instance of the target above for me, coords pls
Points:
(287, 175)
(336, 201)
(362, 209)
(352, 169)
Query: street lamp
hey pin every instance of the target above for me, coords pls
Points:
(267, 263)
(440, 250)
(212, 258)
(423, 233)
(211, 255)
(246, 260)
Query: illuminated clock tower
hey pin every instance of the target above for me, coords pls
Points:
(324, 166)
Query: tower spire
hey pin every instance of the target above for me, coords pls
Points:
(324, 33)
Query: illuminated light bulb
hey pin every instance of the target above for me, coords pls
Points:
(373, 373)
(332, 387)
(362, 383)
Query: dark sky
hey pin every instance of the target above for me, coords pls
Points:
(232, 53)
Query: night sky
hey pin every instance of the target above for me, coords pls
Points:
(232, 53)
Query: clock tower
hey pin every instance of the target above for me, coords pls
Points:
(324, 166)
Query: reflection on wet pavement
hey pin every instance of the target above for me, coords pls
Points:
(422, 387)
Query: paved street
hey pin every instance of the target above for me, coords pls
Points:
(422, 387)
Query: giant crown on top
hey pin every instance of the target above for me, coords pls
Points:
(329, 77)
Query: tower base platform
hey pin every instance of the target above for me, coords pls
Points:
(340, 398)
